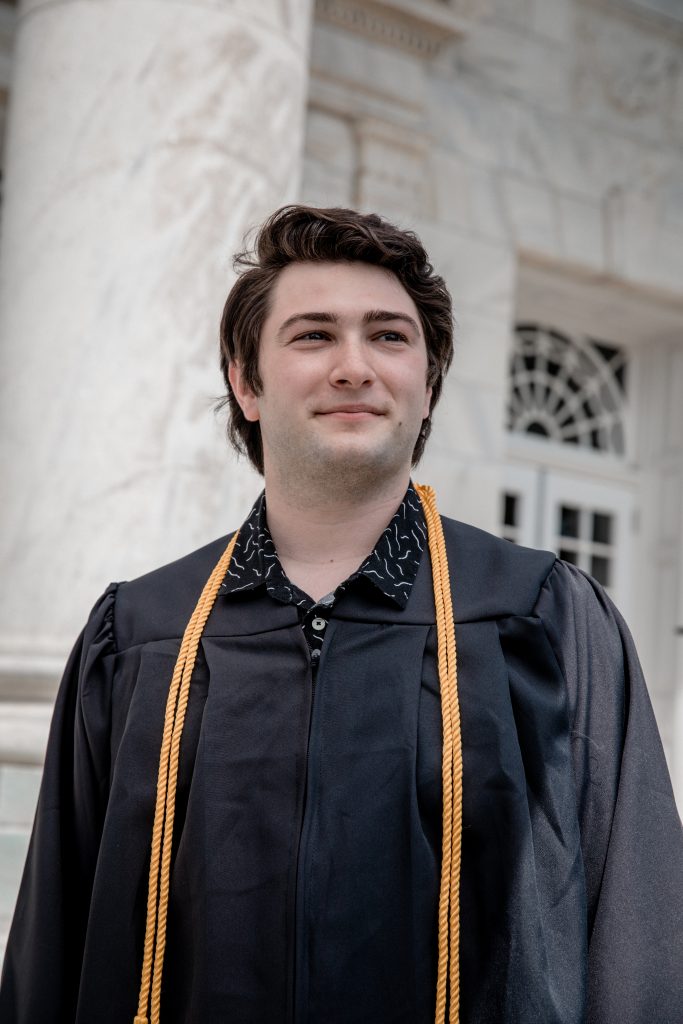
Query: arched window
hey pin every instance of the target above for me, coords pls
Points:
(568, 389)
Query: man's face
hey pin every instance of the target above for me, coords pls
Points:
(343, 364)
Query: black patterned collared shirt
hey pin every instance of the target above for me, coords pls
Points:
(391, 567)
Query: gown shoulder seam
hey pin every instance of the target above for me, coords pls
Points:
(110, 615)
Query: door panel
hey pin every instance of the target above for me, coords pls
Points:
(588, 523)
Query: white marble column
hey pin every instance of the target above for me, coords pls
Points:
(657, 621)
(145, 137)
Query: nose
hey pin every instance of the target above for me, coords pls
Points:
(352, 366)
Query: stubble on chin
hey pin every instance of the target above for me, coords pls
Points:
(335, 471)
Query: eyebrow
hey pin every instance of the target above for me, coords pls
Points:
(372, 316)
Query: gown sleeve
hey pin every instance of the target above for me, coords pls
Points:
(631, 836)
(41, 970)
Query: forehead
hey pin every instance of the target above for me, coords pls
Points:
(342, 287)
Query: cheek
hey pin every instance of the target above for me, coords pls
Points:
(284, 391)
(417, 398)
(293, 382)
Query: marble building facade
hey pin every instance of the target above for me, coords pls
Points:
(536, 146)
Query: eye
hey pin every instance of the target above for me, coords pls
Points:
(312, 336)
(394, 336)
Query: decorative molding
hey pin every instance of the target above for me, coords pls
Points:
(28, 687)
(643, 16)
(24, 729)
(391, 135)
(341, 99)
(391, 167)
(32, 679)
(418, 28)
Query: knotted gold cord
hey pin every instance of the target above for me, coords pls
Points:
(448, 975)
(164, 813)
(449, 894)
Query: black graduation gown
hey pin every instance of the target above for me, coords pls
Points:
(308, 827)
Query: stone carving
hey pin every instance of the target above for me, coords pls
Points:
(420, 29)
(635, 71)
(641, 86)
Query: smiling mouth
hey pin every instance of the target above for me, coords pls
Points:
(351, 412)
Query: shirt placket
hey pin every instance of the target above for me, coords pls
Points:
(314, 625)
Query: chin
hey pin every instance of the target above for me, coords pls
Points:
(363, 457)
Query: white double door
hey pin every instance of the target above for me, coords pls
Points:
(584, 520)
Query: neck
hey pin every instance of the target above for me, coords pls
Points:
(321, 538)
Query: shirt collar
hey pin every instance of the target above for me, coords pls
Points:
(391, 567)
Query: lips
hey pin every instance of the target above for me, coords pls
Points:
(351, 410)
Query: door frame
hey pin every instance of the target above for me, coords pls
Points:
(545, 484)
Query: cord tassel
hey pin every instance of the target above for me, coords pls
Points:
(448, 973)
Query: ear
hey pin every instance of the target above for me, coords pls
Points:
(428, 398)
(244, 394)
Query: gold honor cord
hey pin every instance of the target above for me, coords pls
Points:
(162, 832)
(448, 975)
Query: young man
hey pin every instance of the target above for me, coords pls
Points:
(286, 842)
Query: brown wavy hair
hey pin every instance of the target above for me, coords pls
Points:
(296, 234)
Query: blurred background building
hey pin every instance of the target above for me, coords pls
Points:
(536, 146)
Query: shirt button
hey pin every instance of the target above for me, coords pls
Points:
(319, 624)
